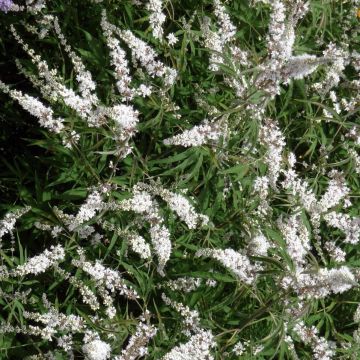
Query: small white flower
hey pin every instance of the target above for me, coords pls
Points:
(239, 348)
(172, 39)
(144, 90)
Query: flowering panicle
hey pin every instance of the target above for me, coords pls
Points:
(272, 138)
(83, 231)
(335, 252)
(87, 294)
(220, 41)
(32, 6)
(240, 348)
(54, 322)
(299, 187)
(118, 60)
(297, 238)
(95, 349)
(88, 210)
(237, 263)
(110, 279)
(40, 263)
(147, 58)
(227, 28)
(6, 5)
(141, 52)
(126, 120)
(157, 18)
(336, 192)
(322, 349)
(183, 284)
(281, 35)
(354, 133)
(339, 59)
(300, 66)
(40, 84)
(212, 41)
(143, 204)
(139, 245)
(310, 284)
(258, 245)
(177, 203)
(197, 348)
(7, 223)
(191, 319)
(356, 158)
(59, 92)
(344, 222)
(137, 345)
(207, 133)
(357, 314)
(87, 86)
(281, 66)
(160, 238)
(172, 39)
(261, 188)
(35, 107)
(183, 208)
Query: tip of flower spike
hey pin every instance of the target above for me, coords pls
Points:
(6, 5)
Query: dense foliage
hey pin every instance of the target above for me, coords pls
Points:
(179, 179)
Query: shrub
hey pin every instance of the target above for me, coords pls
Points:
(184, 182)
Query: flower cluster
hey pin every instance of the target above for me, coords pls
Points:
(321, 283)
(259, 245)
(140, 246)
(147, 57)
(35, 107)
(157, 18)
(185, 284)
(206, 133)
(120, 63)
(53, 322)
(96, 349)
(322, 349)
(271, 137)
(7, 223)
(143, 204)
(104, 277)
(137, 345)
(191, 320)
(87, 210)
(40, 263)
(5, 5)
(297, 239)
(197, 348)
(236, 262)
